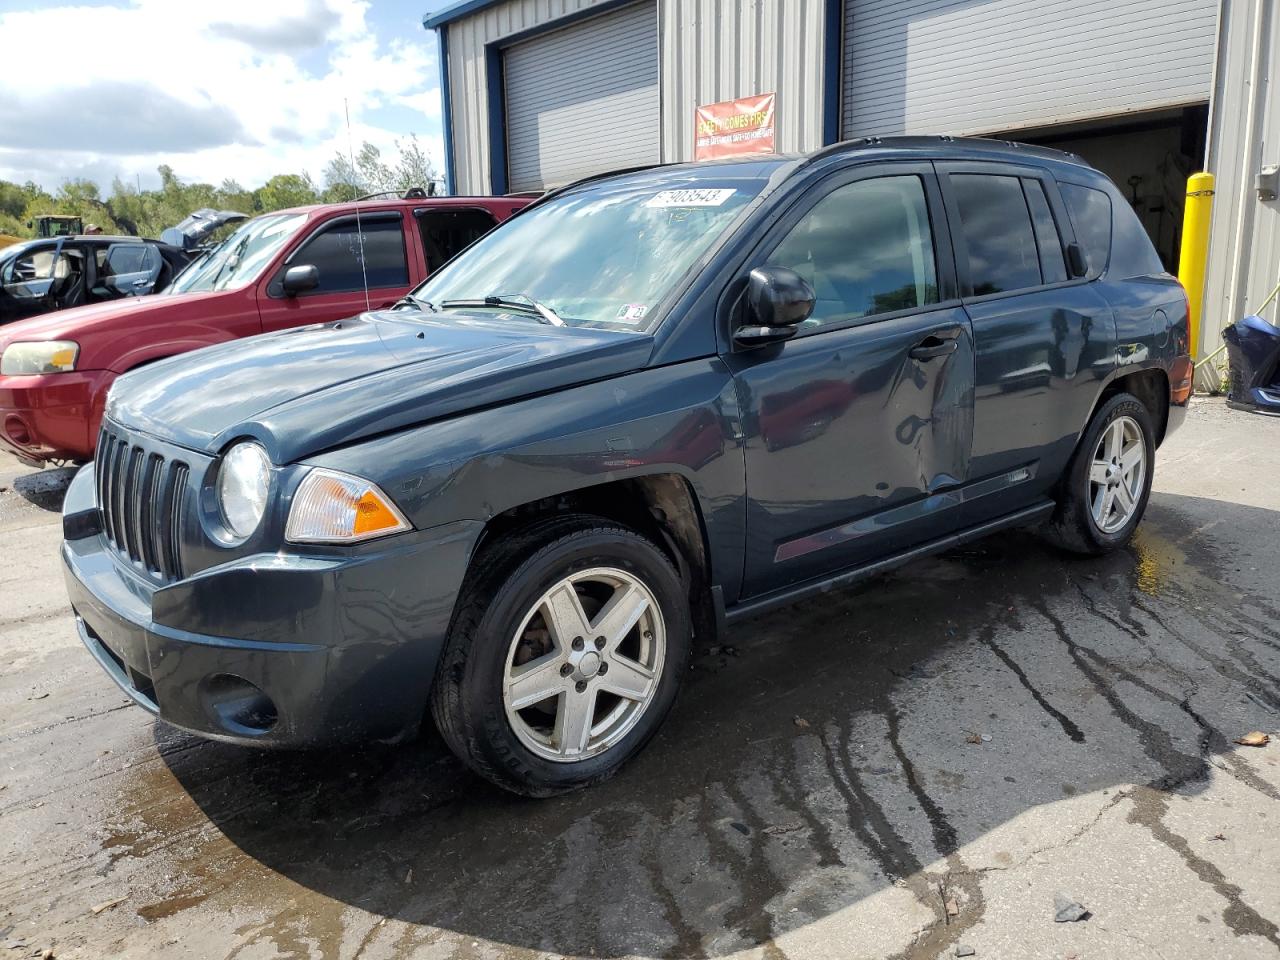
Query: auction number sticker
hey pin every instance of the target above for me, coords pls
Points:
(631, 312)
(711, 197)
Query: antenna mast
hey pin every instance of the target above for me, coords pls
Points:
(351, 159)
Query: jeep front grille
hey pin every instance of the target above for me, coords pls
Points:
(140, 498)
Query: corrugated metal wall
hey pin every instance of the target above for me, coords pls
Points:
(710, 50)
(1244, 136)
(977, 66)
(584, 99)
(715, 50)
(469, 89)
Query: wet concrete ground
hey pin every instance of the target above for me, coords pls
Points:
(891, 771)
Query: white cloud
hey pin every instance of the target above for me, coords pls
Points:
(239, 89)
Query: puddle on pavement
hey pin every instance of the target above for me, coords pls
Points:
(738, 823)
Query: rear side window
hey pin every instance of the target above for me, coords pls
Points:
(1091, 213)
(996, 226)
(1052, 263)
(865, 248)
(336, 254)
(1132, 254)
(447, 232)
(129, 258)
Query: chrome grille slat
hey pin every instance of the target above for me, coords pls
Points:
(131, 502)
(140, 496)
(148, 489)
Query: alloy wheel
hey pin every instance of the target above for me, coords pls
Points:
(584, 664)
(1117, 474)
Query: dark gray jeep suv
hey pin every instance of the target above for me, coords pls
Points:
(650, 404)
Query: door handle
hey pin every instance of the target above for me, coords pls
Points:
(931, 347)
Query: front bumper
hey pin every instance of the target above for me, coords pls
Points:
(48, 417)
(277, 649)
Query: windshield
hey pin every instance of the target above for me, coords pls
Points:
(240, 258)
(605, 255)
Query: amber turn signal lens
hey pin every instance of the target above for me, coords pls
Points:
(333, 507)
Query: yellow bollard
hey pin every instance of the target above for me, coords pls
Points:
(1195, 248)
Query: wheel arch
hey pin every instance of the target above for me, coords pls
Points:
(662, 506)
(1149, 384)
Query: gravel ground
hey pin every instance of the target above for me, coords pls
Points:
(909, 769)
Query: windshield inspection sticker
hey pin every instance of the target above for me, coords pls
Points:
(632, 312)
(691, 198)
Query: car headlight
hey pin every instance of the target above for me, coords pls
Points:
(243, 483)
(46, 356)
(333, 507)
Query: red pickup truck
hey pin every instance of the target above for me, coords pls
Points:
(278, 270)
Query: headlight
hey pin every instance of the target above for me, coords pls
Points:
(49, 356)
(243, 482)
(332, 507)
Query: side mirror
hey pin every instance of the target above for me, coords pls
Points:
(1077, 262)
(778, 300)
(300, 279)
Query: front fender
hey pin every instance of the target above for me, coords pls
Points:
(681, 419)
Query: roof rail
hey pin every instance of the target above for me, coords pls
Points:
(413, 193)
(847, 146)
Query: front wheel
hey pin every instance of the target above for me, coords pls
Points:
(564, 656)
(1108, 481)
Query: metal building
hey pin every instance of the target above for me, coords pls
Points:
(541, 92)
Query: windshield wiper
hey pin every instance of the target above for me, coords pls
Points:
(514, 301)
(417, 303)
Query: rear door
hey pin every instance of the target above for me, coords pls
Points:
(858, 429)
(126, 270)
(1044, 341)
(335, 248)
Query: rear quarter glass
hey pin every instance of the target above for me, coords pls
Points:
(1090, 212)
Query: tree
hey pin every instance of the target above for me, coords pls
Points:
(148, 212)
(286, 190)
(348, 177)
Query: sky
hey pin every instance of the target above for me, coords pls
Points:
(235, 89)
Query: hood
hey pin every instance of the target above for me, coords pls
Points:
(76, 322)
(189, 233)
(306, 390)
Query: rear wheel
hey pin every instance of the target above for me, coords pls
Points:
(1108, 481)
(564, 657)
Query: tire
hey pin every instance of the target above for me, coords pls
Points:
(1075, 524)
(503, 632)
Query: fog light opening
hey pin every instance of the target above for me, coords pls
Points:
(237, 705)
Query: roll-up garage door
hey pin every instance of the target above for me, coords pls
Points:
(583, 99)
(964, 67)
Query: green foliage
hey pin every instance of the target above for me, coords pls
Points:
(346, 178)
(146, 213)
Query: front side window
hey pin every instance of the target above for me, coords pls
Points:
(996, 226)
(866, 248)
(241, 258)
(37, 272)
(603, 255)
(335, 253)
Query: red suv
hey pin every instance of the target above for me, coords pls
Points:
(278, 270)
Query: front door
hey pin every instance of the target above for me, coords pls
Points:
(346, 285)
(35, 280)
(858, 429)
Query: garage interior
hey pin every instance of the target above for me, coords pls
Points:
(1149, 156)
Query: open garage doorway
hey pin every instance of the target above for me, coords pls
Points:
(1148, 155)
